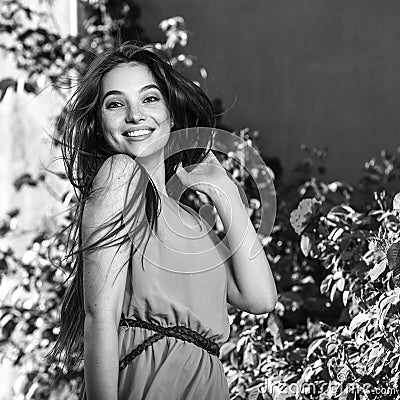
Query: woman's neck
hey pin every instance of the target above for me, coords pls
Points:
(155, 167)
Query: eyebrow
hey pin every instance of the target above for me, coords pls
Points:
(118, 92)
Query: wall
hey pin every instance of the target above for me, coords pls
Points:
(26, 120)
(322, 73)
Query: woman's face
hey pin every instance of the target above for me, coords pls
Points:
(134, 116)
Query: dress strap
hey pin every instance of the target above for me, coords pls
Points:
(178, 331)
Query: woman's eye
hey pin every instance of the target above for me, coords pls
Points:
(151, 99)
(114, 104)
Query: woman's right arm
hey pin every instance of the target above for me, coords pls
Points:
(104, 279)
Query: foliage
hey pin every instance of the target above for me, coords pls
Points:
(360, 252)
(350, 350)
(31, 288)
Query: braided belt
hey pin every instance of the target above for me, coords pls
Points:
(177, 331)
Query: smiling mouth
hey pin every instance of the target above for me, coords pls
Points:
(138, 133)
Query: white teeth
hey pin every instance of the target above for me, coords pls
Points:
(139, 132)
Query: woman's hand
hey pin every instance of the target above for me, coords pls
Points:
(208, 177)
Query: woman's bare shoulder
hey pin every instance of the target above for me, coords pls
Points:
(115, 170)
(116, 179)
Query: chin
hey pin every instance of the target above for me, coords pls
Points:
(147, 152)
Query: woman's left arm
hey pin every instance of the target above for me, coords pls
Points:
(251, 285)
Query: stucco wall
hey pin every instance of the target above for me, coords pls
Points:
(26, 120)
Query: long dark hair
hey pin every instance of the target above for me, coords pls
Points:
(84, 151)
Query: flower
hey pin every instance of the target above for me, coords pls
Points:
(301, 217)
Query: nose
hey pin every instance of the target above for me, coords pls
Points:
(135, 115)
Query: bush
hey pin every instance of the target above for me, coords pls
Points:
(334, 333)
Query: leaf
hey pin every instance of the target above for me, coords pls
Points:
(343, 395)
(341, 210)
(396, 202)
(387, 300)
(346, 294)
(305, 245)
(5, 84)
(226, 348)
(374, 360)
(326, 283)
(254, 394)
(340, 284)
(331, 348)
(382, 316)
(335, 234)
(337, 275)
(232, 379)
(358, 320)
(373, 354)
(389, 345)
(393, 255)
(275, 328)
(314, 345)
(25, 179)
(378, 269)
(31, 87)
(333, 291)
(383, 358)
(13, 213)
(241, 343)
(250, 356)
(3, 265)
(234, 359)
(396, 277)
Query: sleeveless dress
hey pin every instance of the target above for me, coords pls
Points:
(183, 281)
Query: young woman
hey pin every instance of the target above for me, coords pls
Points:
(148, 316)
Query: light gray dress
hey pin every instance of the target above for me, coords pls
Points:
(183, 282)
